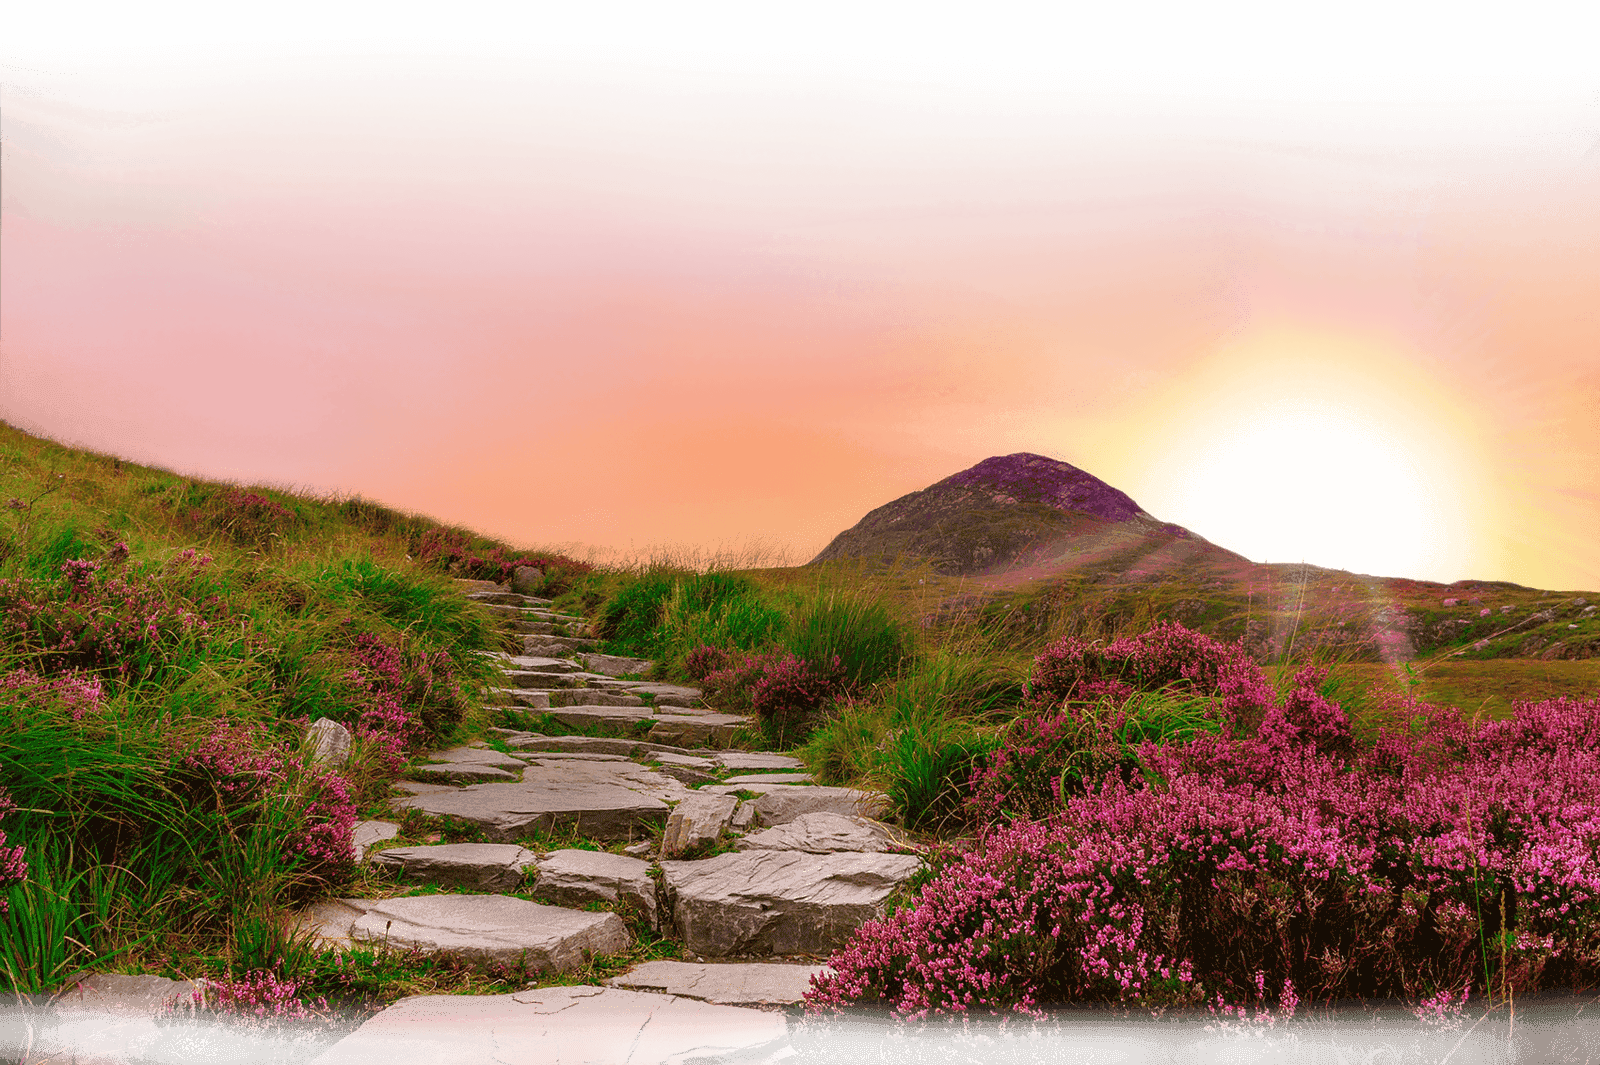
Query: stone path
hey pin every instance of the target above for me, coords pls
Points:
(754, 870)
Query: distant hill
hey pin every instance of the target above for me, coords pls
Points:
(1012, 511)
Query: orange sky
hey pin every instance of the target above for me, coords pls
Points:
(627, 297)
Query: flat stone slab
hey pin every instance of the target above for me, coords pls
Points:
(541, 664)
(748, 984)
(684, 730)
(468, 772)
(820, 834)
(525, 678)
(697, 821)
(368, 834)
(549, 646)
(486, 866)
(691, 761)
(599, 744)
(606, 800)
(749, 760)
(592, 697)
(564, 1026)
(616, 665)
(417, 787)
(779, 804)
(476, 756)
(668, 694)
(480, 927)
(557, 757)
(524, 697)
(770, 778)
(575, 877)
(619, 718)
(779, 902)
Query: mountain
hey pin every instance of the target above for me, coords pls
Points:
(1012, 512)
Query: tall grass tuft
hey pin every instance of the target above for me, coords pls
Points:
(870, 643)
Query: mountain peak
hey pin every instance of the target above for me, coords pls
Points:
(1030, 478)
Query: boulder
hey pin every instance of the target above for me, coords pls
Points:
(329, 742)
(527, 580)
(779, 902)
(820, 834)
(576, 877)
(485, 866)
(564, 1026)
(746, 984)
(616, 665)
(697, 821)
(485, 928)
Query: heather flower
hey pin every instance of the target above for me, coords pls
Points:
(13, 870)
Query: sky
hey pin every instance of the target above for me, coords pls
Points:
(1320, 285)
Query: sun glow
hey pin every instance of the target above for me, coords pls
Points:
(1297, 445)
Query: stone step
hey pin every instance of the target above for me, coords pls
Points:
(484, 866)
(738, 984)
(483, 928)
(818, 834)
(577, 877)
(779, 804)
(526, 698)
(616, 665)
(767, 902)
(632, 748)
(602, 800)
(557, 645)
(592, 697)
(758, 760)
(539, 664)
(560, 1025)
(368, 834)
(508, 599)
(697, 730)
(523, 678)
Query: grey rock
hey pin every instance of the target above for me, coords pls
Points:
(540, 681)
(416, 787)
(820, 834)
(576, 877)
(643, 849)
(692, 761)
(591, 697)
(146, 996)
(526, 580)
(697, 821)
(749, 760)
(668, 694)
(369, 833)
(605, 800)
(479, 927)
(688, 774)
(329, 742)
(616, 665)
(620, 720)
(467, 585)
(743, 817)
(468, 772)
(747, 984)
(486, 866)
(781, 803)
(526, 698)
(599, 744)
(779, 902)
(557, 757)
(770, 778)
(682, 730)
(564, 1026)
(539, 664)
(476, 756)
(557, 645)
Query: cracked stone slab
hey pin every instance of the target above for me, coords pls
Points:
(368, 834)
(490, 928)
(565, 1026)
(552, 646)
(556, 757)
(750, 760)
(779, 902)
(747, 984)
(606, 800)
(527, 698)
(541, 664)
(592, 697)
(770, 778)
(600, 744)
(523, 678)
(416, 787)
(781, 803)
(487, 866)
(697, 821)
(615, 718)
(616, 665)
(476, 756)
(574, 877)
(690, 761)
(684, 730)
(820, 834)
(471, 772)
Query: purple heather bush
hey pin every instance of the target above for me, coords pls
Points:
(13, 870)
(1280, 862)
(261, 998)
(701, 662)
(454, 551)
(784, 691)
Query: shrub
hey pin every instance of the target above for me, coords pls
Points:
(789, 693)
(704, 661)
(457, 552)
(869, 643)
(12, 868)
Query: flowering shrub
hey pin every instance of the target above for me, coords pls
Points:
(454, 551)
(13, 870)
(783, 690)
(1272, 860)
(73, 693)
(103, 617)
(701, 662)
(246, 769)
(261, 997)
(246, 517)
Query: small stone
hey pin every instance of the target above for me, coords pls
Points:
(642, 849)
(329, 742)
(527, 580)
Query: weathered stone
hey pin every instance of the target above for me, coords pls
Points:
(470, 772)
(416, 787)
(746, 984)
(507, 599)
(669, 694)
(527, 580)
(752, 760)
(564, 1026)
(576, 877)
(557, 645)
(540, 664)
(697, 821)
(770, 778)
(557, 757)
(366, 834)
(779, 902)
(538, 681)
(524, 697)
(479, 927)
(692, 761)
(682, 730)
(781, 803)
(590, 697)
(820, 834)
(743, 817)
(616, 665)
(605, 800)
(467, 585)
(643, 849)
(486, 866)
(620, 720)
(599, 744)
(688, 774)
(329, 742)
(477, 756)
